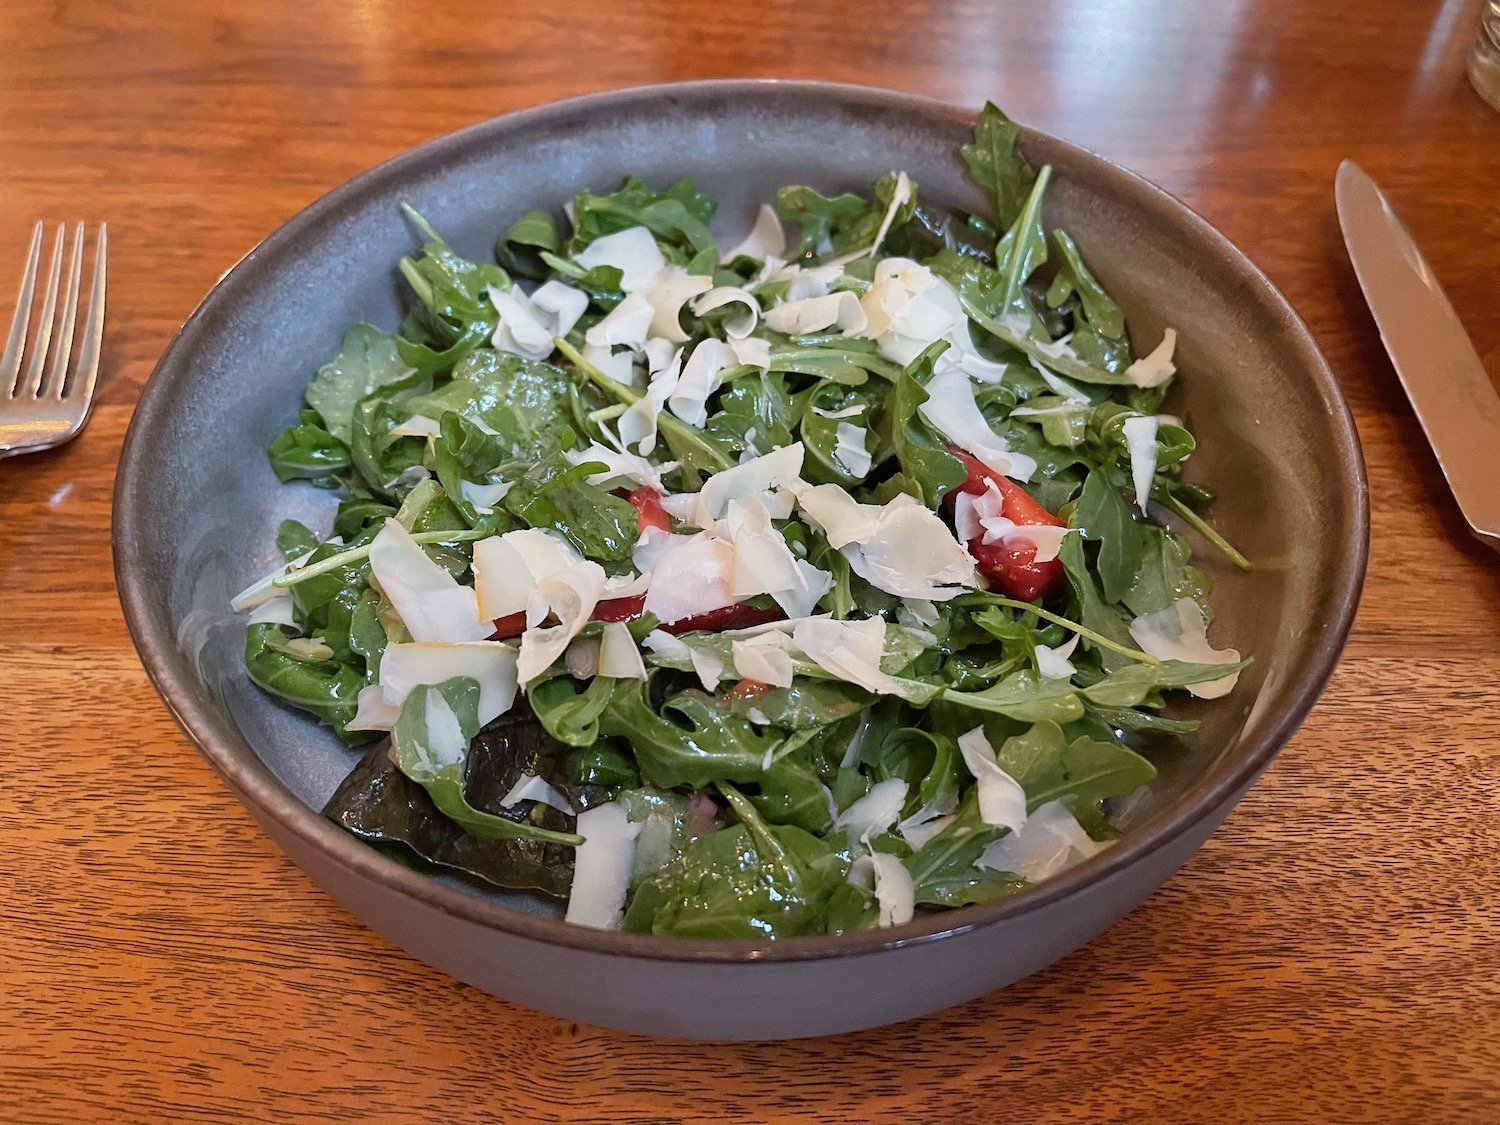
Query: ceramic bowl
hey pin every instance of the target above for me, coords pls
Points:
(196, 508)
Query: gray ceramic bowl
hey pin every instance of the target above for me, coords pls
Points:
(196, 508)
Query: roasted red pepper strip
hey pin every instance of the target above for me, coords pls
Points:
(649, 512)
(1011, 569)
(730, 617)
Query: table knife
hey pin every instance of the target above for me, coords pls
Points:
(1433, 356)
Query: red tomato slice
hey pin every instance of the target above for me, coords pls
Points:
(746, 689)
(649, 512)
(1011, 568)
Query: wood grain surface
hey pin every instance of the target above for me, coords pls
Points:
(1330, 956)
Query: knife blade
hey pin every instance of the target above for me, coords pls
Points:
(1453, 397)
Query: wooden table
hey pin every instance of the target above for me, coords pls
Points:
(1331, 955)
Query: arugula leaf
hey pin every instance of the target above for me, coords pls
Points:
(1074, 277)
(1025, 696)
(678, 216)
(420, 749)
(1131, 686)
(309, 452)
(698, 745)
(943, 871)
(997, 167)
(1103, 517)
(366, 362)
(1049, 767)
(556, 495)
(818, 216)
(516, 249)
(325, 688)
(569, 715)
(1020, 253)
(1090, 607)
(928, 470)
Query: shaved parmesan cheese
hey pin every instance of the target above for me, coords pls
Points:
(1179, 632)
(839, 311)
(800, 601)
(700, 378)
(927, 822)
(1049, 842)
(1057, 383)
(875, 812)
(965, 354)
(1140, 439)
(900, 196)
(279, 610)
(628, 324)
(763, 658)
(1155, 369)
(431, 603)
(570, 595)
(621, 466)
(484, 497)
(262, 590)
(308, 648)
(710, 669)
(633, 252)
(841, 518)
(951, 410)
(850, 650)
(741, 326)
(529, 787)
(767, 238)
(667, 294)
(601, 867)
(446, 744)
(763, 562)
(638, 423)
(778, 469)
(418, 425)
(752, 351)
(849, 450)
(491, 664)
(909, 308)
(618, 656)
(1002, 801)
(1053, 663)
(979, 517)
(528, 324)
(371, 711)
(618, 365)
(693, 574)
(508, 567)
(887, 876)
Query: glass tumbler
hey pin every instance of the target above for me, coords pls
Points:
(1484, 59)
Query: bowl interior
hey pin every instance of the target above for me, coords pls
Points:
(198, 506)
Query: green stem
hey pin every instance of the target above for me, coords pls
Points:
(1081, 630)
(1196, 522)
(672, 427)
(358, 554)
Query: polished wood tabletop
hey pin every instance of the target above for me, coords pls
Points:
(1332, 954)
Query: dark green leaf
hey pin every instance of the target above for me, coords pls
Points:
(517, 248)
(367, 362)
(1002, 172)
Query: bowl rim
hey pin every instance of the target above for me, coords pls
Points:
(257, 787)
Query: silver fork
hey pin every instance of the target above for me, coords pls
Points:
(44, 405)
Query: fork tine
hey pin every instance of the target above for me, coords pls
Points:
(57, 371)
(82, 384)
(10, 361)
(42, 341)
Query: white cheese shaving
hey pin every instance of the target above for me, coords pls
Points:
(850, 650)
(638, 423)
(570, 595)
(951, 410)
(529, 787)
(667, 294)
(927, 822)
(692, 574)
(1155, 369)
(700, 379)
(1053, 663)
(887, 876)
(308, 648)
(767, 238)
(618, 656)
(263, 591)
(528, 324)
(1058, 384)
(849, 449)
(908, 308)
(371, 711)
(622, 466)
(965, 354)
(281, 610)
(508, 567)
(1049, 842)
(1002, 801)
(627, 324)
(710, 669)
(900, 196)
(981, 517)
(778, 469)
(601, 867)
(740, 327)
(491, 664)
(1180, 632)
(446, 744)
(763, 658)
(418, 425)
(618, 365)
(800, 601)
(483, 497)
(839, 311)
(431, 603)
(633, 252)
(1140, 439)
(763, 562)
(752, 351)
(875, 812)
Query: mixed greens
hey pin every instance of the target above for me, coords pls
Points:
(781, 590)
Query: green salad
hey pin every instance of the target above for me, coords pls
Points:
(786, 588)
